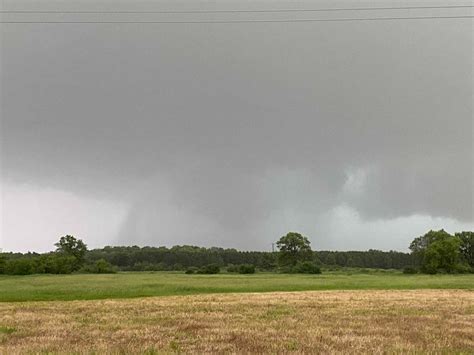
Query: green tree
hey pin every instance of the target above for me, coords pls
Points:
(437, 251)
(442, 255)
(420, 244)
(467, 247)
(293, 248)
(71, 246)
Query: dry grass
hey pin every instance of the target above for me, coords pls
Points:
(324, 321)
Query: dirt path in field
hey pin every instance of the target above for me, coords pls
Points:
(321, 321)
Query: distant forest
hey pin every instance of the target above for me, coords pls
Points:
(436, 251)
(179, 257)
(134, 258)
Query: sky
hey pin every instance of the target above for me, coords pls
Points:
(358, 134)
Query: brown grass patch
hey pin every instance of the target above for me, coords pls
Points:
(309, 322)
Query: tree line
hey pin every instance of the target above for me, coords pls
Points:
(436, 251)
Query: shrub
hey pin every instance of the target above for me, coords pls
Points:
(333, 268)
(177, 267)
(287, 269)
(191, 270)
(22, 266)
(232, 268)
(464, 269)
(101, 266)
(247, 269)
(146, 266)
(307, 267)
(59, 264)
(3, 264)
(209, 269)
(410, 270)
(104, 267)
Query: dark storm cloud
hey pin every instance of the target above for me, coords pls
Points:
(209, 131)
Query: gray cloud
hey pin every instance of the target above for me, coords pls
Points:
(208, 132)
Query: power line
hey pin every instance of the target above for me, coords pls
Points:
(245, 21)
(240, 11)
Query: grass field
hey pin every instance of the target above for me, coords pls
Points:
(344, 312)
(130, 285)
(436, 321)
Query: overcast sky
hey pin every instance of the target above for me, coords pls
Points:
(356, 134)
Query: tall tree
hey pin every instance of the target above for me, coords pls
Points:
(293, 248)
(437, 251)
(71, 246)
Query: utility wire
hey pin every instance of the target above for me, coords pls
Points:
(246, 21)
(241, 11)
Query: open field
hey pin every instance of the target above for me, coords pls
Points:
(325, 321)
(370, 311)
(129, 285)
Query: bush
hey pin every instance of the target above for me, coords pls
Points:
(307, 267)
(22, 266)
(241, 269)
(464, 269)
(59, 264)
(177, 267)
(410, 270)
(146, 266)
(334, 268)
(191, 270)
(287, 269)
(3, 264)
(104, 267)
(247, 269)
(209, 269)
(232, 268)
(101, 266)
(429, 269)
